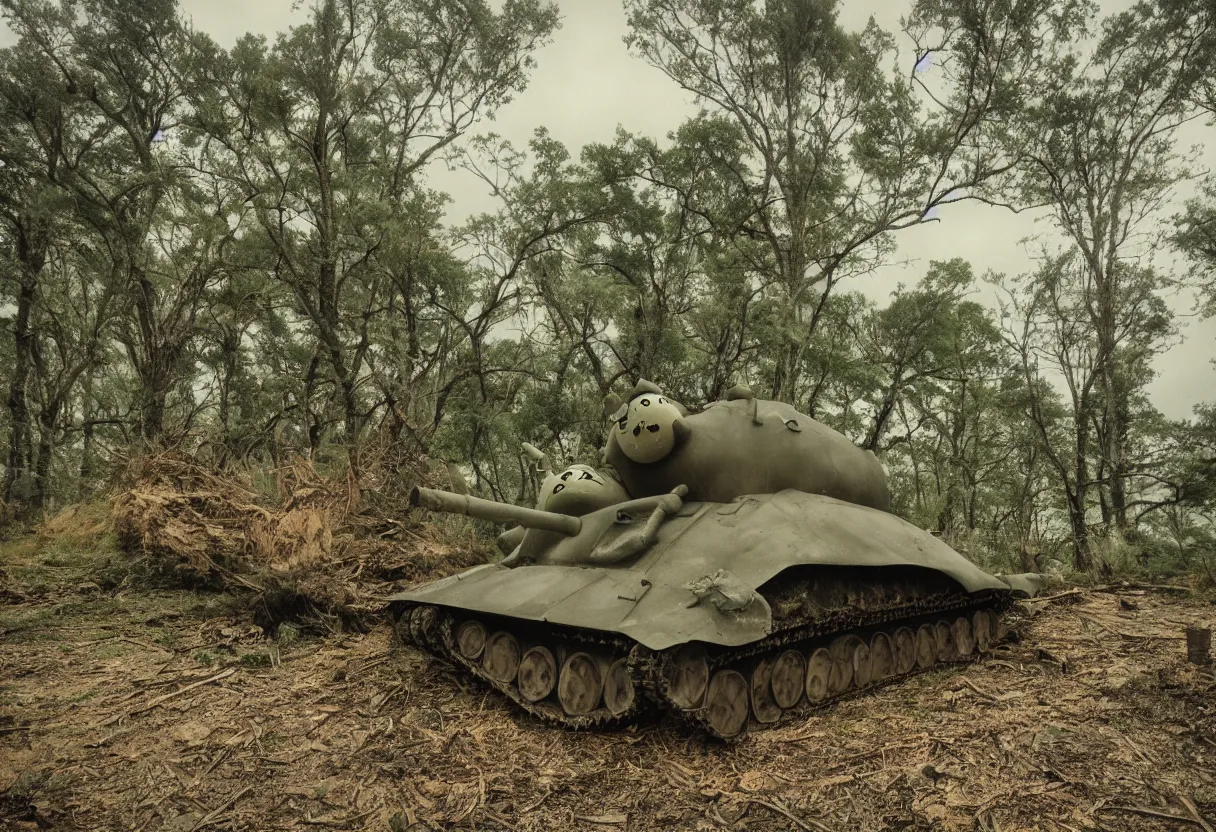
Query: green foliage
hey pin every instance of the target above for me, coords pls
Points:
(236, 252)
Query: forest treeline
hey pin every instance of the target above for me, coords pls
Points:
(236, 252)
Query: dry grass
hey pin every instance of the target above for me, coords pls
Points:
(307, 553)
(160, 711)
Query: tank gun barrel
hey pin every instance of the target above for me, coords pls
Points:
(445, 501)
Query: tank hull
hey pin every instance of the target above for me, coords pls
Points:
(768, 579)
(755, 538)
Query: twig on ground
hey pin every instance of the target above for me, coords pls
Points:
(160, 700)
(874, 752)
(808, 825)
(1117, 588)
(214, 814)
(1194, 810)
(1153, 813)
(982, 693)
(1055, 597)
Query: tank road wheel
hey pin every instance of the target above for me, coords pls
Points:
(819, 676)
(882, 657)
(401, 629)
(422, 623)
(618, 688)
(726, 703)
(580, 685)
(944, 638)
(764, 707)
(500, 660)
(537, 673)
(981, 627)
(926, 646)
(471, 639)
(688, 677)
(1000, 627)
(842, 650)
(863, 667)
(789, 677)
(904, 645)
(964, 641)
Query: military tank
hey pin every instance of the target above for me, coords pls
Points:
(730, 610)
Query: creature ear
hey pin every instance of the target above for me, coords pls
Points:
(681, 430)
(539, 457)
(612, 406)
(644, 386)
(457, 479)
(511, 538)
(739, 391)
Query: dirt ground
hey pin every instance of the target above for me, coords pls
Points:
(152, 710)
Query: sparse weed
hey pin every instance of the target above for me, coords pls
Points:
(288, 636)
(262, 659)
(112, 650)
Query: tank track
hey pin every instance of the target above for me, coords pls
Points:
(857, 615)
(433, 629)
(806, 637)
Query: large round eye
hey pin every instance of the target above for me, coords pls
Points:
(623, 424)
(637, 430)
(645, 402)
(586, 476)
(662, 400)
(566, 475)
(653, 428)
(558, 487)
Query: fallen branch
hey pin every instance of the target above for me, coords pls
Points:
(808, 825)
(1194, 810)
(162, 699)
(214, 814)
(1057, 596)
(1117, 588)
(1153, 813)
(874, 752)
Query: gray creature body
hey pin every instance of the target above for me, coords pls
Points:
(752, 446)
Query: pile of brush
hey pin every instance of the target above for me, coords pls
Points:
(322, 552)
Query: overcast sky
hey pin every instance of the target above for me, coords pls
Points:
(586, 84)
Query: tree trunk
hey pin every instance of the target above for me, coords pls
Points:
(47, 423)
(1078, 496)
(1080, 533)
(1118, 463)
(19, 450)
(86, 454)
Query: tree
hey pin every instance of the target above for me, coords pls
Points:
(1099, 150)
(328, 132)
(127, 67)
(1045, 324)
(843, 150)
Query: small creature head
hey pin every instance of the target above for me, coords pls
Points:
(578, 490)
(649, 428)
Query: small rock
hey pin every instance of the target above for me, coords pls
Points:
(191, 733)
(182, 823)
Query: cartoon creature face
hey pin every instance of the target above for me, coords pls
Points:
(578, 490)
(647, 433)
